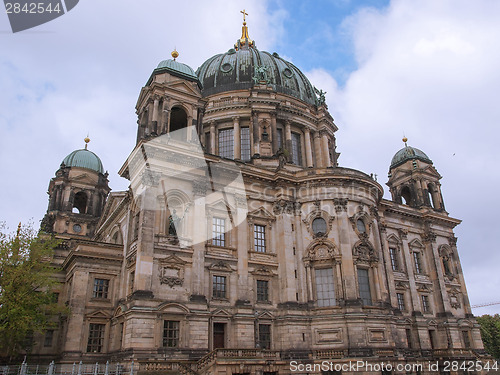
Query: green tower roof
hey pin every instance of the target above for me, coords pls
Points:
(84, 159)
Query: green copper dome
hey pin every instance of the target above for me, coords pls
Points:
(409, 153)
(242, 68)
(84, 159)
(176, 68)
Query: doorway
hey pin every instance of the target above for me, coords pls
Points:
(219, 335)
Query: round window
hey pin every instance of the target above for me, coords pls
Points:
(319, 226)
(77, 228)
(360, 224)
(226, 68)
(288, 73)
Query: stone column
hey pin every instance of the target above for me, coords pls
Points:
(388, 266)
(212, 137)
(288, 139)
(325, 151)
(408, 259)
(274, 133)
(154, 127)
(307, 142)
(441, 292)
(190, 128)
(198, 223)
(256, 136)
(237, 138)
(317, 150)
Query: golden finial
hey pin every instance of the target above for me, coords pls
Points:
(245, 39)
(244, 14)
(175, 54)
(86, 140)
(405, 140)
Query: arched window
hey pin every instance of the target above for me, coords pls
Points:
(432, 195)
(178, 123)
(319, 226)
(80, 203)
(406, 196)
(360, 224)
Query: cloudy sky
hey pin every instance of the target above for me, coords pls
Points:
(426, 69)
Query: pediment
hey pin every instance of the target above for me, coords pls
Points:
(221, 313)
(182, 86)
(392, 238)
(416, 243)
(173, 308)
(84, 178)
(262, 213)
(266, 315)
(119, 310)
(172, 260)
(220, 266)
(99, 314)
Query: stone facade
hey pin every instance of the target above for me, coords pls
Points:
(302, 259)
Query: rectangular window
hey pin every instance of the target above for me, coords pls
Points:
(218, 231)
(49, 336)
(364, 286)
(226, 143)
(280, 138)
(417, 257)
(170, 334)
(394, 259)
(401, 301)
(259, 238)
(207, 143)
(426, 307)
(408, 338)
(466, 338)
(95, 342)
(245, 144)
(432, 338)
(219, 286)
(262, 290)
(325, 287)
(296, 149)
(265, 336)
(101, 287)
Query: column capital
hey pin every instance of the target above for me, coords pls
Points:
(236, 118)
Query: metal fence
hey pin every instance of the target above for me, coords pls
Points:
(69, 369)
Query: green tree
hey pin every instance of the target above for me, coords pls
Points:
(490, 332)
(27, 302)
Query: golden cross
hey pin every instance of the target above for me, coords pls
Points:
(244, 14)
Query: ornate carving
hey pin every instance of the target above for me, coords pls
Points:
(403, 233)
(150, 178)
(364, 253)
(340, 204)
(172, 271)
(429, 237)
(283, 206)
(402, 285)
(320, 99)
(200, 187)
(240, 200)
(452, 240)
(260, 75)
(455, 298)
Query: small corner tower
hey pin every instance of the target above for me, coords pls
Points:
(413, 180)
(77, 195)
(170, 102)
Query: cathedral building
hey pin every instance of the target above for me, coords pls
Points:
(242, 245)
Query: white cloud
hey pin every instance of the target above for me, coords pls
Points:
(430, 70)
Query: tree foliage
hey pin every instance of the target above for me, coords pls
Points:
(490, 332)
(27, 302)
